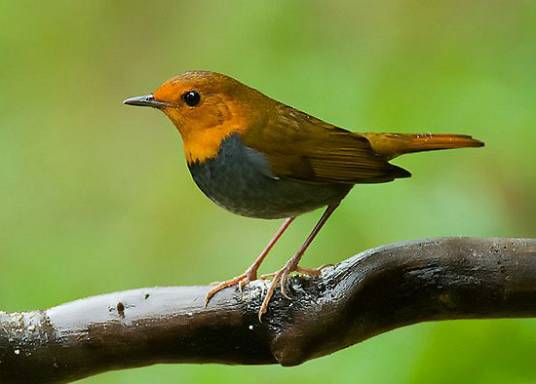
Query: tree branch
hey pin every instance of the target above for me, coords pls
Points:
(373, 292)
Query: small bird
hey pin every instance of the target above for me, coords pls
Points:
(257, 157)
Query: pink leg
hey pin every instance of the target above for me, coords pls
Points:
(251, 273)
(280, 277)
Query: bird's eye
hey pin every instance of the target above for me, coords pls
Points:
(191, 98)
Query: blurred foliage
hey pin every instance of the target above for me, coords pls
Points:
(96, 197)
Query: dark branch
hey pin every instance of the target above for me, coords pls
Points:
(373, 292)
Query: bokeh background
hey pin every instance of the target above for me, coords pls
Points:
(95, 196)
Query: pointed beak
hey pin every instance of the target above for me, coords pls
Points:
(145, 101)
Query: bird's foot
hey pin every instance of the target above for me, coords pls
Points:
(280, 278)
(241, 281)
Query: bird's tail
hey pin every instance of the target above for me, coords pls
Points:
(392, 145)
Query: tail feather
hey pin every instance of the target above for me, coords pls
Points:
(392, 145)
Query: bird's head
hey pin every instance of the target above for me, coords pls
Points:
(206, 107)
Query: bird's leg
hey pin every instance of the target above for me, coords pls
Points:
(280, 277)
(251, 273)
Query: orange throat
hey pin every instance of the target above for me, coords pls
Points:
(201, 144)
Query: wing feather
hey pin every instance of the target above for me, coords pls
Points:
(302, 147)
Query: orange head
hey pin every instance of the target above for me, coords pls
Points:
(206, 107)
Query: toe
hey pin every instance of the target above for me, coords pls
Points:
(313, 272)
(241, 281)
(283, 284)
(269, 294)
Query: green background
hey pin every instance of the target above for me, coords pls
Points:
(95, 196)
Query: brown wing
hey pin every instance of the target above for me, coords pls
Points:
(299, 146)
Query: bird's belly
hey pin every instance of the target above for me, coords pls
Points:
(234, 181)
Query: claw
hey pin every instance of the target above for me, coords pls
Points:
(241, 281)
(283, 284)
(270, 293)
(280, 278)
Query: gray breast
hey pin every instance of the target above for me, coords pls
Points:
(239, 179)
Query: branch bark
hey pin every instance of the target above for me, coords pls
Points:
(373, 292)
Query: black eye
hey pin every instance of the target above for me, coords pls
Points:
(191, 98)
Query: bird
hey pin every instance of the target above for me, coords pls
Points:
(258, 157)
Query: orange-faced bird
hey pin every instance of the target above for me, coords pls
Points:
(258, 157)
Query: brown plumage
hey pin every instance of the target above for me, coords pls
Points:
(305, 148)
(392, 145)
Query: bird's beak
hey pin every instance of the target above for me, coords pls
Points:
(145, 101)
